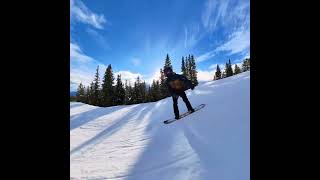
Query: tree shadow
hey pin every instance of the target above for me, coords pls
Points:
(114, 127)
(73, 105)
(85, 117)
(151, 159)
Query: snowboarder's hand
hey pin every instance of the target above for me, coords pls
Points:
(192, 87)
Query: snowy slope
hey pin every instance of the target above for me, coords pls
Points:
(131, 142)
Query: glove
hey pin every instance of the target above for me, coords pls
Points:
(192, 87)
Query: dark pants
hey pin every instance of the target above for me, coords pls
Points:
(175, 103)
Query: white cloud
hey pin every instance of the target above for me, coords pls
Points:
(247, 55)
(82, 67)
(229, 15)
(154, 76)
(80, 12)
(127, 75)
(136, 61)
(205, 75)
(206, 56)
(76, 54)
(239, 41)
(78, 76)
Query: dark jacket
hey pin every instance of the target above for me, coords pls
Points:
(177, 83)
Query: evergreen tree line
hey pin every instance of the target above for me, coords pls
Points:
(109, 93)
(229, 71)
(189, 69)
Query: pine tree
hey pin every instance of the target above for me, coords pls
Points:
(183, 67)
(189, 68)
(91, 97)
(119, 92)
(96, 89)
(129, 93)
(137, 94)
(229, 71)
(167, 62)
(224, 74)
(246, 65)
(80, 97)
(143, 92)
(155, 91)
(237, 70)
(126, 88)
(194, 71)
(163, 89)
(218, 73)
(87, 95)
(149, 94)
(107, 87)
(186, 64)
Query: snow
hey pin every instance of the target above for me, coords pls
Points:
(131, 142)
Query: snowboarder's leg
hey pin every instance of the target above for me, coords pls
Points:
(186, 101)
(175, 106)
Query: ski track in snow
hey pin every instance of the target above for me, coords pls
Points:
(131, 142)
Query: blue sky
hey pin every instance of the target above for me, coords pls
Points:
(135, 36)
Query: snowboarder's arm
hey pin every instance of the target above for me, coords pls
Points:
(183, 78)
(186, 80)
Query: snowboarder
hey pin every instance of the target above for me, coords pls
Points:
(176, 85)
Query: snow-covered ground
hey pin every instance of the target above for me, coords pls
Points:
(131, 142)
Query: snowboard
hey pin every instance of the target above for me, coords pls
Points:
(184, 114)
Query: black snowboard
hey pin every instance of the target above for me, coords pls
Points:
(184, 114)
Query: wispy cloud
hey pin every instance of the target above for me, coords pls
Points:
(210, 5)
(246, 55)
(98, 38)
(231, 17)
(215, 11)
(76, 54)
(80, 12)
(206, 56)
(192, 35)
(239, 41)
(224, 13)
